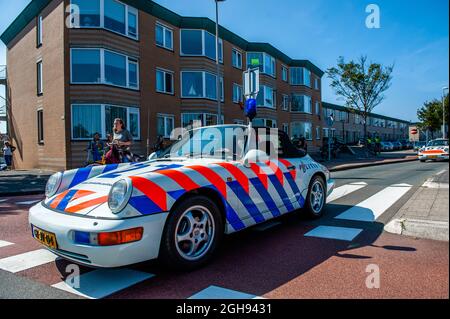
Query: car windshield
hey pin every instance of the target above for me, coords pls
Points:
(438, 143)
(221, 142)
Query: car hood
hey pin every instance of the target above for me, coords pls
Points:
(91, 196)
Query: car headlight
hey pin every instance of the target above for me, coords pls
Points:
(119, 195)
(53, 184)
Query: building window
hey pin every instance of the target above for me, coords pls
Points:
(88, 119)
(266, 63)
(200, 43)
(238, 122)
(317, 108)
(40, 126)
(237, 93)
(299, 129)
(192, 120)
(101, 66)
(236, 58)
(164, 81)
(266, 97)
(39, 31)
(39, 79)
(301, 103)
(112, 15)
(317, 84)
(200, 84)
(164, 36)
(165, 125)
(318, 133)
(285, 128)
(300, 76)
(284, 73)
(285, 102)
(264, 122)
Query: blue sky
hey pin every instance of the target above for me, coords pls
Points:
(413, 35)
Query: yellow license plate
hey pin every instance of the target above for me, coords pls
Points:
(432, 156)
(44, 237)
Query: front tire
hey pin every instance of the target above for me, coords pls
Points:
(316, 198)
(192, 233)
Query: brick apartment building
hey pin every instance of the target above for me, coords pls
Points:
(144, 63)
(348, 126)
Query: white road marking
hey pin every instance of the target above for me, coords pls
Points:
(441, 172)
(345, 190)
(104, 282)
(331, 232)
(373, 207)
(5, 243)
(215, 292)
(27, 260)
(28, 202)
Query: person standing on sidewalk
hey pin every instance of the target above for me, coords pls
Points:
(8, 149)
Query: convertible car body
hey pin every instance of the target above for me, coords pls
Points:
(179, 205)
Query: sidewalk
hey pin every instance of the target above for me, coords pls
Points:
(426, 213)
(26, 182)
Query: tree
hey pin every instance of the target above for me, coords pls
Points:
(430, 115)
(361, 84)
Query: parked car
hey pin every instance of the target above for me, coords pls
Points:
(178, 206)
(2, 164)
(386, 146)
(397, 145)
(434, 150)
(418, 145)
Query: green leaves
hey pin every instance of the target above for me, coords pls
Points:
(361, 84)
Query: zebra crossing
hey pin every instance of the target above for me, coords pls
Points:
(101, 283)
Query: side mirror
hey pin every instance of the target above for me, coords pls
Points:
(152, 156)
(255, 156)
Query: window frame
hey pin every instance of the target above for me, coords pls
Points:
(39, 78)
(39, 31)
(285, 106)
(241, 96)
(221, 81)
(294, 123)
(238, 53)
(263, 65)
(203, 114)
(164, 28)
(102, 20)
(130, 110)
(165, 117)
(128, 59)
(284, 71)
(40, 126)
(165, 71)
(304, 71)
(304, 104)
(203, 54)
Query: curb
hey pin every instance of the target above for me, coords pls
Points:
(427, 229)
(361, 165)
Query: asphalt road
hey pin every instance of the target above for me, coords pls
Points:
(291, 257)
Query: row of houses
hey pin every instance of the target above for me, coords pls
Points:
(70, 76)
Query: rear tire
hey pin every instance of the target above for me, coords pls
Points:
(192, 233)
(316, 198)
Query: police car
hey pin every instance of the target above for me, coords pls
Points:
(178, 206)
(434, 150)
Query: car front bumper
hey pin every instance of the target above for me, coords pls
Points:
(64, 225)
(433, 157)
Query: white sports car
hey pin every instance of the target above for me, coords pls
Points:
(178, 206)
(434, 150)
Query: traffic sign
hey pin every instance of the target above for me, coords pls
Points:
(251, 83)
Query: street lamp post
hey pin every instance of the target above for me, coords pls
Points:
(443, 110)
(219, 111)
